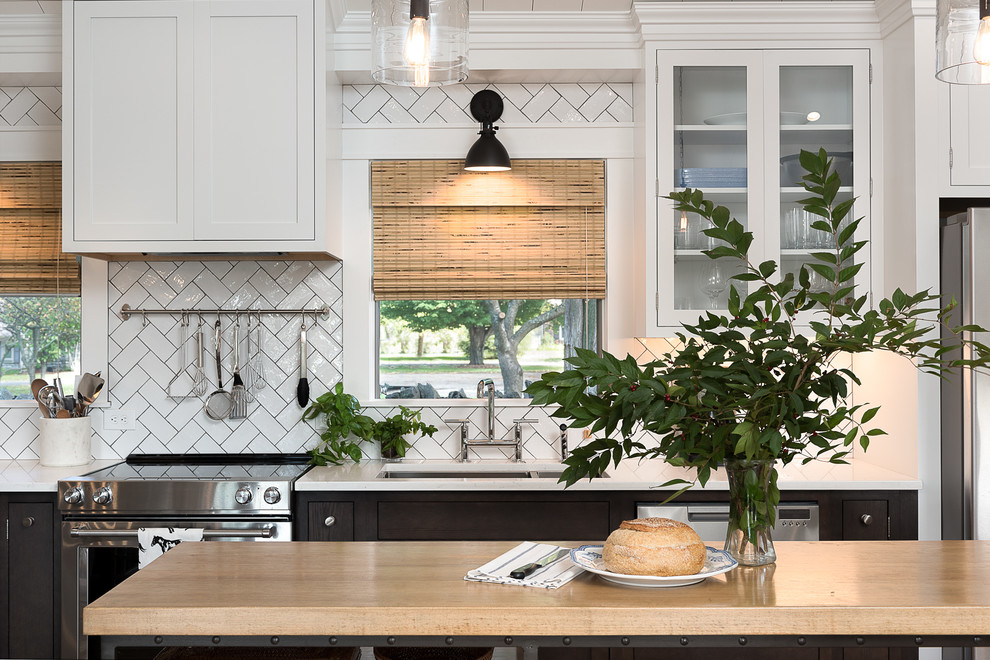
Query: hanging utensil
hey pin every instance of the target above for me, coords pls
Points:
(249, 379)
(183, 339)
(302, 389)
(258, 365)
(47, 396)
(239, 401)
(219, 404)
(200, 383)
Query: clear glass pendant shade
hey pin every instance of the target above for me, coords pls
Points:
(957, 45)
(419, 51)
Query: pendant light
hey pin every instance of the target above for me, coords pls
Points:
(487, 154)
(419, 43)
(962, 41)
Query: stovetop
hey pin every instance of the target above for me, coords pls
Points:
(205, 467)
(186, 484)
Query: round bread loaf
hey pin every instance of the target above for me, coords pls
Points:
(654, 546)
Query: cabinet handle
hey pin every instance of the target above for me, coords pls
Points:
(27, 521)
(329, 521)
(866, 519)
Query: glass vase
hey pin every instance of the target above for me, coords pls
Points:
(751, 512)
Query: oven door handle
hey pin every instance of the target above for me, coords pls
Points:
(266, 533)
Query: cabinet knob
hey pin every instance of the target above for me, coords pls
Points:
(866, 519)
(329, 521)
(27, 521)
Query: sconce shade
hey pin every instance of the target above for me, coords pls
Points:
(957, 23)
(487, 155)
(419, 43)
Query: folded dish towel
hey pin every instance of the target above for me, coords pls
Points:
(153, 542)
(551, 576)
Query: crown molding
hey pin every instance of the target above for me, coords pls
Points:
(507, 46)
(895, 13)
(31, 45)
(754, 20)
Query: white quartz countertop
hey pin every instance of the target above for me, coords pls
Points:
(628, 476)
(31, 476)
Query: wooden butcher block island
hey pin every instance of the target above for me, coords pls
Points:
(827, 593)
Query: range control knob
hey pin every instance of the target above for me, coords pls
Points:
(243, 495)
(103, 495)
(73, 495)
(272, 496)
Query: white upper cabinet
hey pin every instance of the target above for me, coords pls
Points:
(732, 124)
(191, 126)
(969, 133)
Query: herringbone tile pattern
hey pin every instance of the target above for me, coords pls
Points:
(525, 103)
(30, 106)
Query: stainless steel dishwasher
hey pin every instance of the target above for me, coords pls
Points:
(796, 521)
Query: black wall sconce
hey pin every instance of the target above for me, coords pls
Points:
(487, 154)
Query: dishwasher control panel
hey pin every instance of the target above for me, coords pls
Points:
(796, 521)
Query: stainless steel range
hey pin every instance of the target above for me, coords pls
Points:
(232, 497)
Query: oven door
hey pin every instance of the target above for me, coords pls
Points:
(100, 554)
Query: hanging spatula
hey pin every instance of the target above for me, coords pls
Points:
(302, 390)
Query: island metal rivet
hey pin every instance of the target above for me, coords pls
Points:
(566, 641)
(625, 641)
(158, 640)
(742, 641)
(508, 641)
(801, 641)
(684, 641)
(918, 640)
(390, 641)
(333, 641)
(274, 639)
(448, 641)
(860, 641)
(216, 640)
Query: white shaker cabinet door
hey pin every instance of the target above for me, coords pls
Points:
(969, 133)
(254, 120)
(131, 120)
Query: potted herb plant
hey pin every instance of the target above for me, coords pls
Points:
(748, 390)
(346, 428)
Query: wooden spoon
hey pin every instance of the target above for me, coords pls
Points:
(36, 386)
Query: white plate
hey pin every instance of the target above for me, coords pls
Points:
(589, 557)
(739, 119)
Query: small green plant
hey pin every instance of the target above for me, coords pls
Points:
(340, 413)
(391, 431)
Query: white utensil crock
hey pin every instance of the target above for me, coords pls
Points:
(65, 441)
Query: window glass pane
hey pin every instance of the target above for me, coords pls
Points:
(39, 338)
(442, 348)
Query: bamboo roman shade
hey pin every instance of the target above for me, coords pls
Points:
(534, 232)
(31, 258)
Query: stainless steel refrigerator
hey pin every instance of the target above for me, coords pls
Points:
(965, 409)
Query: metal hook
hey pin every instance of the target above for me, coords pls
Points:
(144, 319)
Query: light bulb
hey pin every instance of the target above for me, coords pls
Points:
(421, 75)
(416, 50)
(981, 47)
(684, 221)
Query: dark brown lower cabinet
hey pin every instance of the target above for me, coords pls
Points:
(28, 576)
(589, 516)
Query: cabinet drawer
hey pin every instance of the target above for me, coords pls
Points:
(492, 521)
(331, 521)
(864, 520)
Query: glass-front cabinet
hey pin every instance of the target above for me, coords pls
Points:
(732, 124)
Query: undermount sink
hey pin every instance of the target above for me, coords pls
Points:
(473, 471)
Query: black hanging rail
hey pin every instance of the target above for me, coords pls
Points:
(127, 312)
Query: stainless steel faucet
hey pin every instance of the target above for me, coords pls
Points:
(490, 384)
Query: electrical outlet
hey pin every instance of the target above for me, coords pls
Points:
(118, 420)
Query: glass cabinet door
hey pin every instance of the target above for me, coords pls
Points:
(732, 123)
(712, 143)
(817, 102)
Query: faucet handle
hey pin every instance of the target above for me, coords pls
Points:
(525, 421)
(457, 421)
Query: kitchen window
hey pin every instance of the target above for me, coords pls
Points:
(40, 287)
(485, 275)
